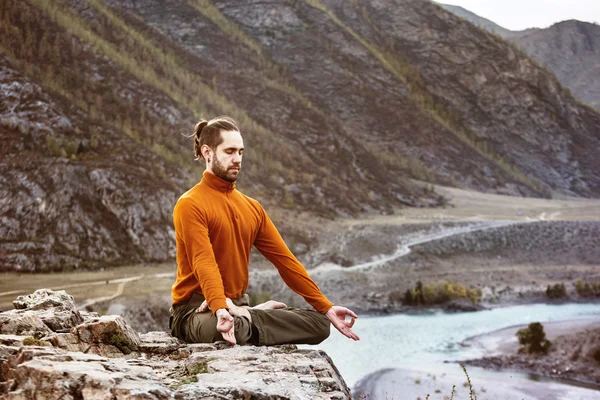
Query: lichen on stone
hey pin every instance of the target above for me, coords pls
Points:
(121, 342)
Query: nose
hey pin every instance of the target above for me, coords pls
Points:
(237, 158)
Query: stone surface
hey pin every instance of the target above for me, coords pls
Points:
(104, 358)
(107, 333)
(26, 323)
(41, 313)
(57, 374)
(44, 298)
(283, 372)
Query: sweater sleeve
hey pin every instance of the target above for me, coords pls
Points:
(270, 243)
(191, 224)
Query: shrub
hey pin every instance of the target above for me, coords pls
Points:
(557, 291)
(587, 289)
(533, 339)
(440, 292)
(597, 355)
(31, 341)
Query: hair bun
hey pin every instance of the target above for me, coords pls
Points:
(199, 126)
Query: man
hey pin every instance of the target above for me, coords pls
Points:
(215, 228)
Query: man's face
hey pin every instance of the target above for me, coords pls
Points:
(227, 160)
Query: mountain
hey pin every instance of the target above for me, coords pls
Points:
(570, 49)
(482, 22)
(341, 106)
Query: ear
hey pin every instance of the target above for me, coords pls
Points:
(206, 151)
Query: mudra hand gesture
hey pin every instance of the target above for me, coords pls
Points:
(337, 316)
(225, 325)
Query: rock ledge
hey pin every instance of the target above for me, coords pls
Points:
(50, 349)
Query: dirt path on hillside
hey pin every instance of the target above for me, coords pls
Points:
(418, 239)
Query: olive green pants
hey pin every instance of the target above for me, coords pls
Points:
(268, 327)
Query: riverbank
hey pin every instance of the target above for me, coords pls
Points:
(409, 373)
(571, 355)
(449, 381)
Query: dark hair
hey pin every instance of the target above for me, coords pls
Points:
(209, 133)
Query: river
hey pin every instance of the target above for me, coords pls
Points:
(424, 341)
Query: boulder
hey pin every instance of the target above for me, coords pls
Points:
(41, 313)
(108, 335)
(44, 299)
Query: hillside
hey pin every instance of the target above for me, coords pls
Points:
(340, 105)
(483, 22)
(570, 49)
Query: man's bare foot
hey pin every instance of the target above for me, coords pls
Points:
(270, 305)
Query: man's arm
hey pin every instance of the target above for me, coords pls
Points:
(270, 243)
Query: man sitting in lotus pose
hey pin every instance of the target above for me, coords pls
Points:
(215, 228)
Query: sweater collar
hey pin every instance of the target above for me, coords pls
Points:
(216, 183)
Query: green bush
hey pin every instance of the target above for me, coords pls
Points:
(557, 291)
(587, 289)
(31, 341)
(440, 292)
(533, 339)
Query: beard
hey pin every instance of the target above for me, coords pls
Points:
(229, 175)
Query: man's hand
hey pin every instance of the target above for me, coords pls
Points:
(337, 316)
(225, 325)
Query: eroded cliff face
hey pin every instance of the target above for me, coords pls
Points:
(50, 349)
(102, 204)
(339, 103)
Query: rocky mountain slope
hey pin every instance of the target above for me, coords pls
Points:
(340, 104)
(570, 49)
(484, 22)
(48, 349)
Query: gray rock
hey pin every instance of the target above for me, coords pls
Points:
(107, 333)
(40, 313)
(57, 374)
(45, 298)
(26, 323)
(104, 358)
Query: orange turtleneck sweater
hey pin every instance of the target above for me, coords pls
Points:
(215, 228)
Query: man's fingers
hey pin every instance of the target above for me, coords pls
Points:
(351, 323)
(203, 307)
(351, 313)
(349, 334)
(229, 336)
(346, 331)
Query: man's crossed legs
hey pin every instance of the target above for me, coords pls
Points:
(270, 323)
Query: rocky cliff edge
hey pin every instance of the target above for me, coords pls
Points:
(50, 350)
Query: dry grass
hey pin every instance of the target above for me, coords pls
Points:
(86, 285)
